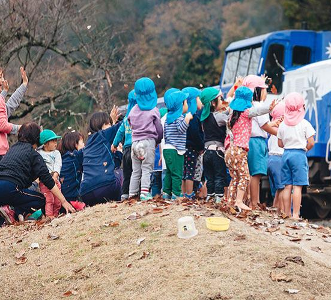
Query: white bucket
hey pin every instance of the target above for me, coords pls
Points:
(186, 228)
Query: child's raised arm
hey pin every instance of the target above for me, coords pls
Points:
(261, 109)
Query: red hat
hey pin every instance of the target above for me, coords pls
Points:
(294, 109)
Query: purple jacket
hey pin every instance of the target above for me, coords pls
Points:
(145, 124)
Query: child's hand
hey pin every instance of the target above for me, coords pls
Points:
(188, 117)
(68, 207)
(5, 85)
(273, 104)
(24, 76)
(160, 162)
(239, 81)
(55, 177)
(113, 148)
(114, 114)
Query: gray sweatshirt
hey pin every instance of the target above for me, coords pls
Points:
(52, 159)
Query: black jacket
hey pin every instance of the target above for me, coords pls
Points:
(22, 165)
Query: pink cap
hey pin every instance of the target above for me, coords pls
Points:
(294, 109)
(278, 111)
(253, 81)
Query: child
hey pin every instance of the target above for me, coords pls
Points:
(147, 132)
(52, 158)
(100, 183)
(237, 143)
(175, 129)
(214, 126)
(258, 149)
(6, 110)
(125, 133)
(275, 159)
(156, 177)
(296, 136)
(70, 148)
(194, 141)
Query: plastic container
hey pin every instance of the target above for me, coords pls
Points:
(217, 223)
(186, 228)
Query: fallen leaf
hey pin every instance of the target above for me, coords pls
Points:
(240, 237)
(279, 277)
(280, 264)
(296, 227)
(295, 259)
(133, 216)
(292, 291)
(144, 255)
(131, 253)
(114, 224)
(165, 214)
(157, 210)
(53, 236)
(284, 216)
(97, 244)
(113, 206)
(295, 239)
(22, 260)
(70, 293)
(272, 229)
(20, 254)
(323, 230)
(78, 270)
(140, 240)
(317, 249)
(129, 265)
(157, 228)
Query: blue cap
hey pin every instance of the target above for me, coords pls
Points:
(175, 105)
(132, 101)
(192, 98)
(145, 93)
(242, 99)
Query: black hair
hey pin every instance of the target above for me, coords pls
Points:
(29, 133)
(234, 118)
(97, 120)
(213, 104)
(69, 142)
(257, 94)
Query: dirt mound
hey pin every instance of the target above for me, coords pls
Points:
(131, 251)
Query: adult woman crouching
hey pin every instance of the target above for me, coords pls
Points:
(18, 169)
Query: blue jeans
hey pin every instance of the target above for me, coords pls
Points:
(21, 200)
(156, 183)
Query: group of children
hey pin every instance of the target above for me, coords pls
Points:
(199, 140)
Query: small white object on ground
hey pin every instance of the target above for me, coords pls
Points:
(34, 246)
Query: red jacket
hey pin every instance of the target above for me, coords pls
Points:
(5, 127)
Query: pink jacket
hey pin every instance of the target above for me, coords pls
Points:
(5, 127)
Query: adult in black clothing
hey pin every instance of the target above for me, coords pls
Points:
(18, 169)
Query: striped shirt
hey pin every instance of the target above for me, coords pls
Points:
(175, 133)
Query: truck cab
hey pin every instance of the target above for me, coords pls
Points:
(273, 54)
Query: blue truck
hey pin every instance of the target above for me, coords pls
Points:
(294, 60)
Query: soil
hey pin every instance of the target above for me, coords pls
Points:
(94, 254)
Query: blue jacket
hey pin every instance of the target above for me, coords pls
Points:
(71, 174)
(98, 162)
(124, 132)
(195, 135)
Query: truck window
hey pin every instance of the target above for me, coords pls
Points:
(230, 67)
(274, 67)
(255, 60)
(300, 55)
(243, 62)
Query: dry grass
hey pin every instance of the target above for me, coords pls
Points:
(104, 262)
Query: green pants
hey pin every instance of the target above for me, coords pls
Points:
(175, 166)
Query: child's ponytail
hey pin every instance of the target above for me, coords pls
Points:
(234, 118)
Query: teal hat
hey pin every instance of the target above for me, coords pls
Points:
(208, 95)
(145, 93)
(132, 101)
(47, 135)
(192, 98)
(242, 99)
(175, 105)
(168, 92)
(163, 111)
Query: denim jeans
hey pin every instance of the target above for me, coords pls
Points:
(156, 183)
(215, 171)
(22, 200)
(127, 170)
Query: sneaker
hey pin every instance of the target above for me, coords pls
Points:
(219, 198)
(145, 197)
(174, 197)
(210, 197)
(125, 197)
(190, 196)
(78, 205)
(36, 215)
(166, 196)
(20, 218)
(8, 214)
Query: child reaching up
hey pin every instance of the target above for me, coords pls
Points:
(52, 158)
(175, 129)
(237, 142)
(296, 136)
(147, 132)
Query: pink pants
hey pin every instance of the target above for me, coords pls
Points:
(53, 204)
